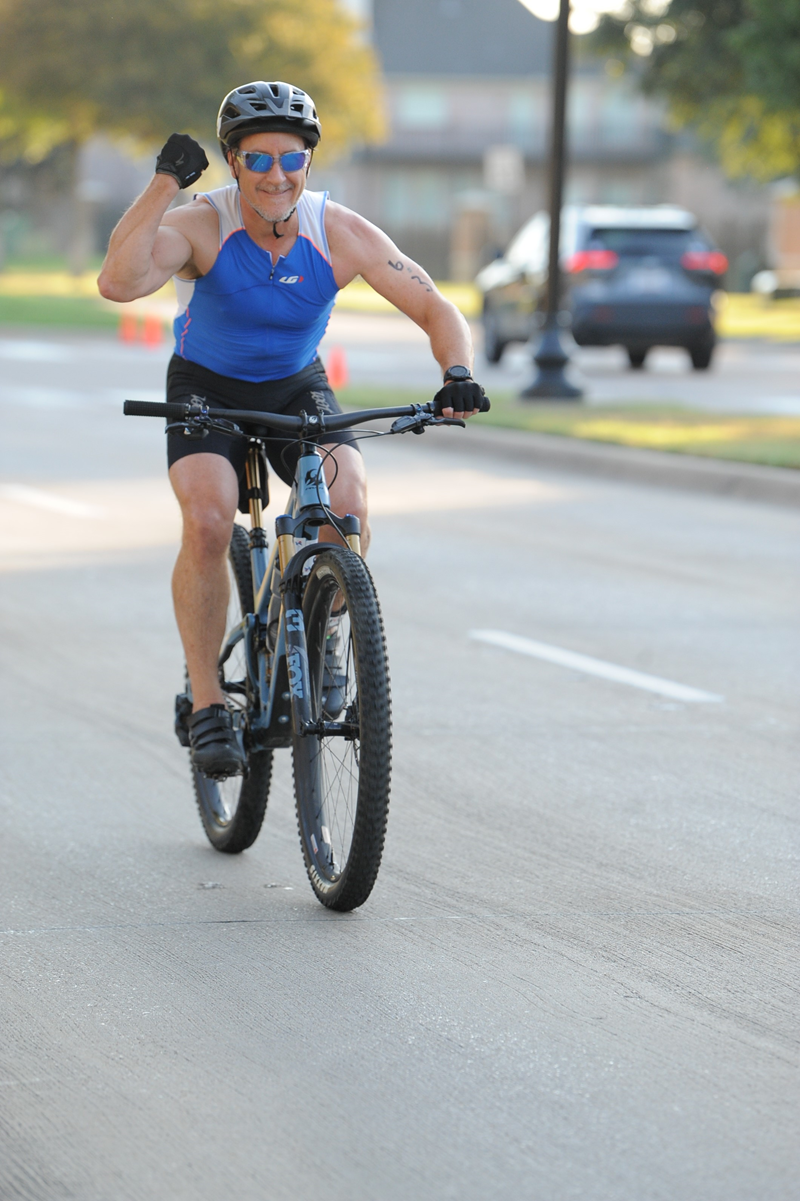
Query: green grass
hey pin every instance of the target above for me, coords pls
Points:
(771, 440)
(75, 311)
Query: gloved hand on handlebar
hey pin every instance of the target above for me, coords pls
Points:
(182, 158)
(461, 398)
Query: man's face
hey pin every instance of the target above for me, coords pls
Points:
(273, 194)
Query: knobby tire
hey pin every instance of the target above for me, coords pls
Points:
(232, 811)
(342, 785)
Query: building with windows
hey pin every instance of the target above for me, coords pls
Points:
(467, 94)
(464, 162)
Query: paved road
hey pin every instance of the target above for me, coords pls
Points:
(748, 377)
(759, 377)
(575, 976)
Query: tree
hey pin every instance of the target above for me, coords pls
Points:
(728, 68)
(73, 68)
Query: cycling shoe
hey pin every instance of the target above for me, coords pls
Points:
(215, 748)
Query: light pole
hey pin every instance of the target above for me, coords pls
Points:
(550, 358)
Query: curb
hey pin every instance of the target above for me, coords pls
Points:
(743, 481)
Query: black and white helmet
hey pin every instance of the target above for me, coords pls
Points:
(266, 108)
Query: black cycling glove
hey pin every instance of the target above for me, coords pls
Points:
(182, 158)
(462, 396)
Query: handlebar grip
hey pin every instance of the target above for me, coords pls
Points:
(150, 408)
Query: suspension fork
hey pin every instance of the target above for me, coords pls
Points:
(310, 499)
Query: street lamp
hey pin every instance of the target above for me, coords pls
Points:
(550, 358)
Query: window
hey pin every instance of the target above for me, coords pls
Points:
(421, 108)
(528, 115)
(417, 199)
(640, 243)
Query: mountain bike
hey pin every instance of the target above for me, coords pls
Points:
(303, 663)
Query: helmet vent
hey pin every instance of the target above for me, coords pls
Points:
(266, 106)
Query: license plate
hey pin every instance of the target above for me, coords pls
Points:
(649, 279)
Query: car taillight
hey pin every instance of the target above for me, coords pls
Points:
(713, 261)
(591, 260)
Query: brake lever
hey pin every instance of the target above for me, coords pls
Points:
(192, 427)
(412, 422)
(200, 425)
(418, 422)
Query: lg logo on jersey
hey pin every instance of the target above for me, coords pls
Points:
(290, 279)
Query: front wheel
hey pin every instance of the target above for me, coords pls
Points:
(342, 779)
(232, 810)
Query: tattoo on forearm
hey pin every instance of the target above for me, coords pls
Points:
(398, 266)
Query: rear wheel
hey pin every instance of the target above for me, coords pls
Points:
(701, 355)
(232, 810)
(636, 358)
(342, 782)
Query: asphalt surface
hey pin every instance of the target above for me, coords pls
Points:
(576, 977)
(745, 377)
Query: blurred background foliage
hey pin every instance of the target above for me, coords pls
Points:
(70, 69)
(730, 69)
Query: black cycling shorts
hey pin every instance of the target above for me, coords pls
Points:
(307, 389)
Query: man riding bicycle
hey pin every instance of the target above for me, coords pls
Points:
(257, 266)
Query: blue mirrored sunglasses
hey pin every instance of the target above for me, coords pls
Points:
(254, 160)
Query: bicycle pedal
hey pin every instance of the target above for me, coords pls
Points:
(183, 708)
(218, 779)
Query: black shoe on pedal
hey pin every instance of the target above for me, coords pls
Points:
(215, 749)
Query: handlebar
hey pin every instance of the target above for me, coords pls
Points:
(308, 425)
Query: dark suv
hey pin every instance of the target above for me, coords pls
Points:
(633, 277)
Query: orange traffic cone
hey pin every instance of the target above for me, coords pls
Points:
(127, 327)
(336, 368)
(153, 333)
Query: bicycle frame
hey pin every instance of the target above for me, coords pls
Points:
(277, 663)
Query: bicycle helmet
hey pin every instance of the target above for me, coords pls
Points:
(266, 107)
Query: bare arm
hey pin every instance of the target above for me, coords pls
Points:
(360, 248)
(148, 246)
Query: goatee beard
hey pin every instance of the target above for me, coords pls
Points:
(273, 220)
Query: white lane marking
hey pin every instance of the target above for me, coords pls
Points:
(595, 667)
(37, 498)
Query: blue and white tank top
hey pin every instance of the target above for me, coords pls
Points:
(249, 318)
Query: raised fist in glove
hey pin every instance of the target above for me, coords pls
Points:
(182, 158)
(461, 397)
